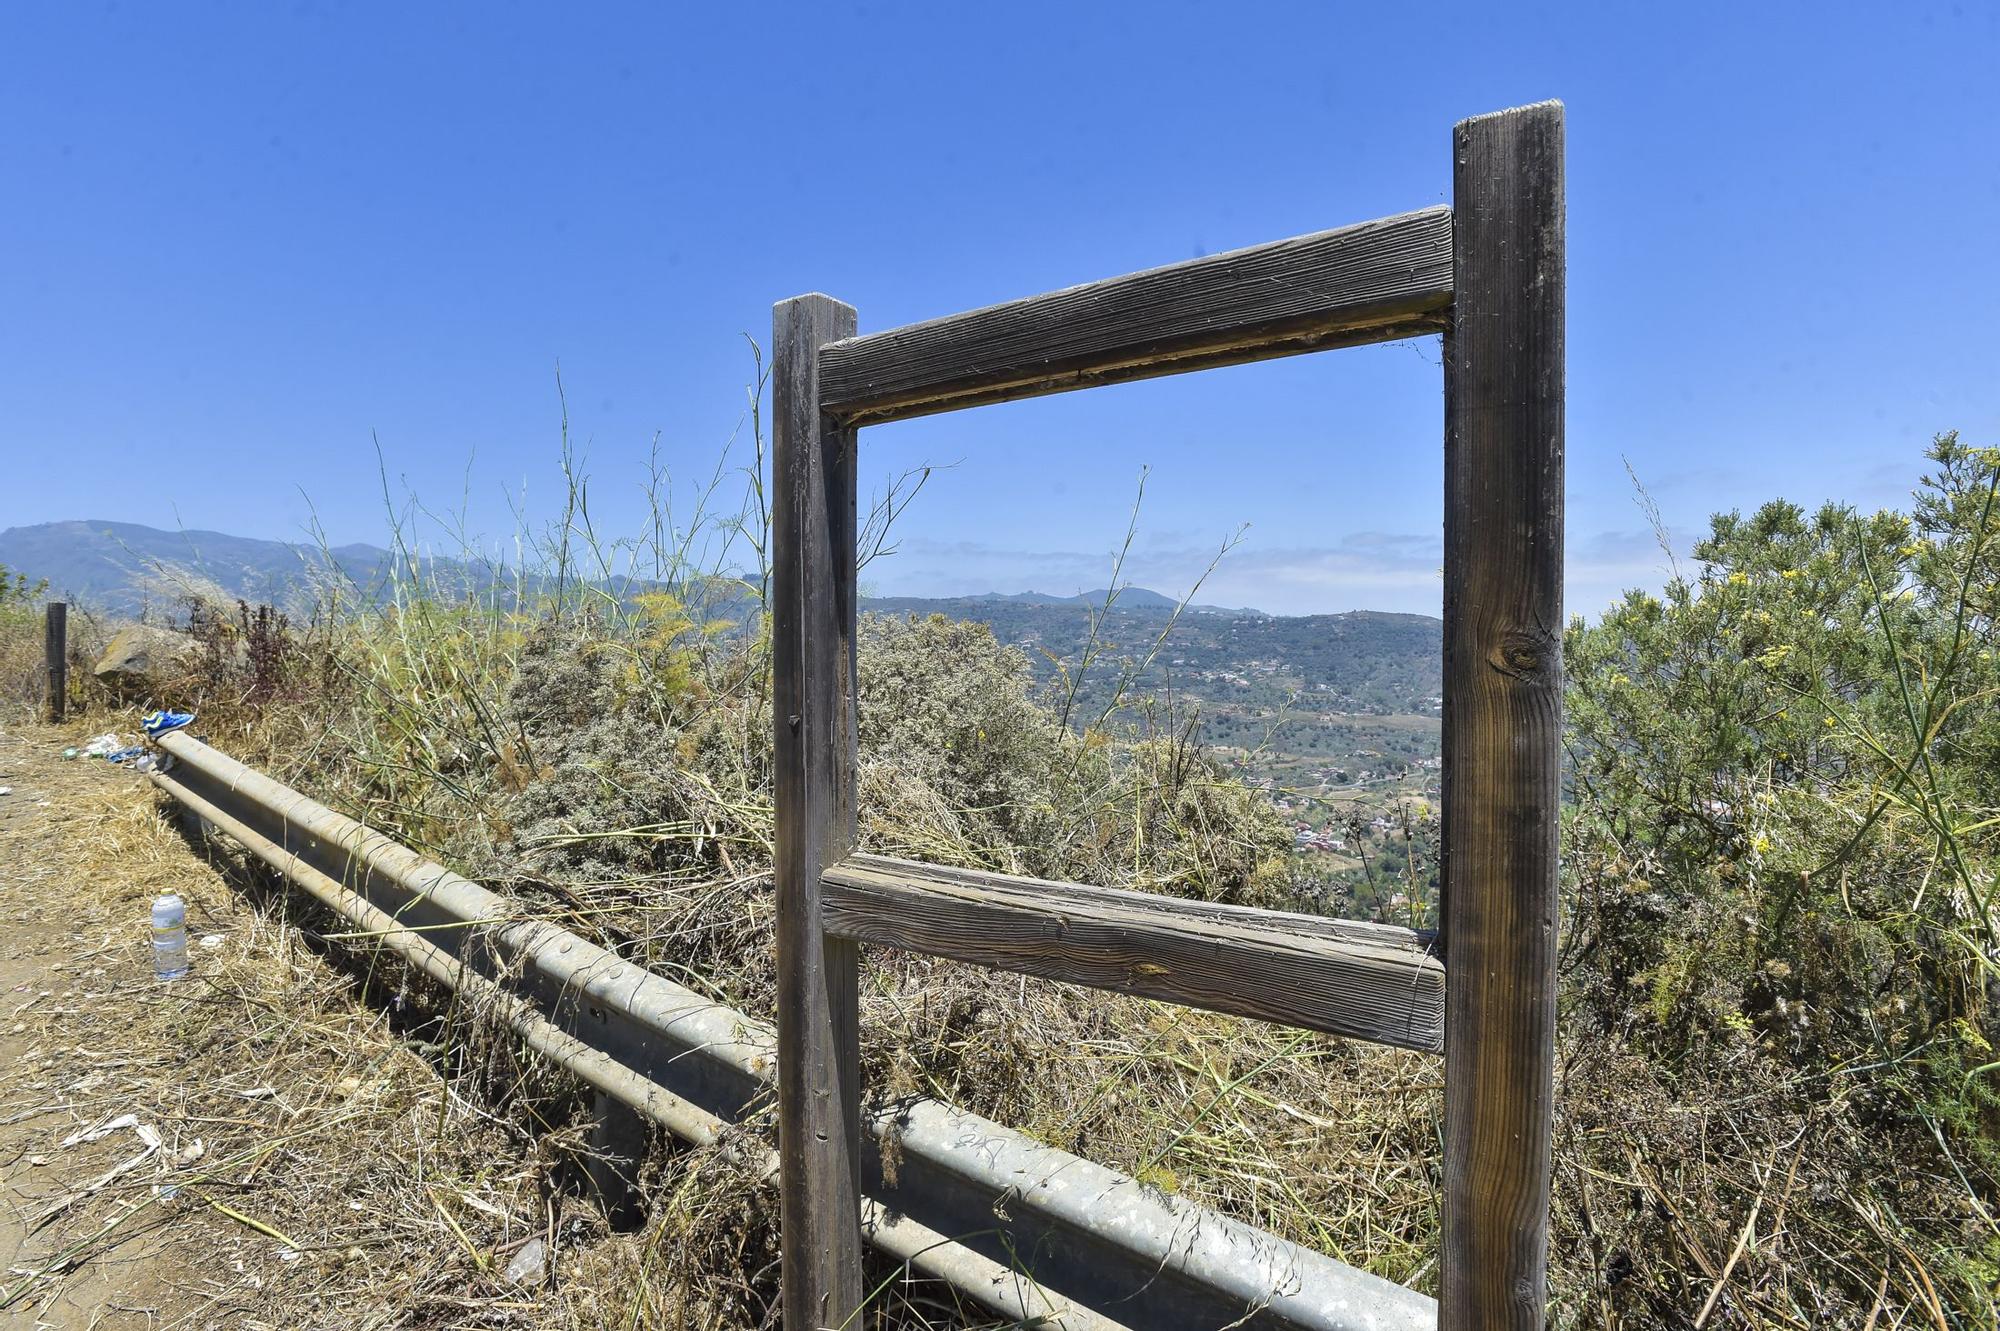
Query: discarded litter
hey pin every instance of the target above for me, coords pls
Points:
(529, 1264)
(170, 942)
(149, 1136)
(210, 942)
(124, 755)
(69, 752)
(6, 790)
(104, 1129)
(103, 745)
(149, 1139)
(159, 723)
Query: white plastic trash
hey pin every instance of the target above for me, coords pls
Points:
(170, 938)
(530, 1265)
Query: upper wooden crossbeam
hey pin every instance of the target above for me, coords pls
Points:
(1372, 981)
(1371, 282)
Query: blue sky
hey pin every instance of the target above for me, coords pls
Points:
(243, 241)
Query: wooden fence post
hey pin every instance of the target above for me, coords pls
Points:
(814, 686)
(1503, 713)
(55, 651)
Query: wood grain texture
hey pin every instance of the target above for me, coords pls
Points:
(1375, 982)
(1366, 283)
(1503, 562)
(814, 689)
(55, 658)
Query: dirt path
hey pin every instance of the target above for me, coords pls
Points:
(249, 1147)
(59, 958)
(71, 959)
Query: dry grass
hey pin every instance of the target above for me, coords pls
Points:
(1327, 1142)
(605, 759)
(337, 1145)
(24, 661)
(312, 1165)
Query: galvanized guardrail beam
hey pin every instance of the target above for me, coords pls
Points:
(1081, 1246)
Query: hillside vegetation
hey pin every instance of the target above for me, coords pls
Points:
(1364, 661)
(1779, 961)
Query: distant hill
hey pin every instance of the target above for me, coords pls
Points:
(125, 567)
(1362, 661)
(1129, 598)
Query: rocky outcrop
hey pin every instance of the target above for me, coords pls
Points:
(141, 657)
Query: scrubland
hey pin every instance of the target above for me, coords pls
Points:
(1779, 1093)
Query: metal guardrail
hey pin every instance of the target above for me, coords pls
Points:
(1026, 1230)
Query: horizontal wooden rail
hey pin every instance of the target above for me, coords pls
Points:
(1375, 982)
(1371, 282)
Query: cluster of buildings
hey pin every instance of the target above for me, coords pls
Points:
(1307, 837)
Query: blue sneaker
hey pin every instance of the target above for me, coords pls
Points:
(159, 723)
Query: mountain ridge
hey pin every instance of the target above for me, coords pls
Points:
(126, 568)
(1129, 597)
(123, 567)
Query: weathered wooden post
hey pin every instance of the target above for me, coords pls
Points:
(814, 690)
(1487, 272)
(55, 652)
(1503, 562)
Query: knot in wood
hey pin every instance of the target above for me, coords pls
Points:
(1528, 655)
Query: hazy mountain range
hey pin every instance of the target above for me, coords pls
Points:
(1129, 598)
(126, 568)
(1363, 659)
(1251, 670)
(123, 568)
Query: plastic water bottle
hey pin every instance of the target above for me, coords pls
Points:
(170, 938)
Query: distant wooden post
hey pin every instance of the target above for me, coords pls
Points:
(55, 651)
(1503, 560)
(814, 691)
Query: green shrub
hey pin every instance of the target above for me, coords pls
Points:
(1781, 843)
(22, 664)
